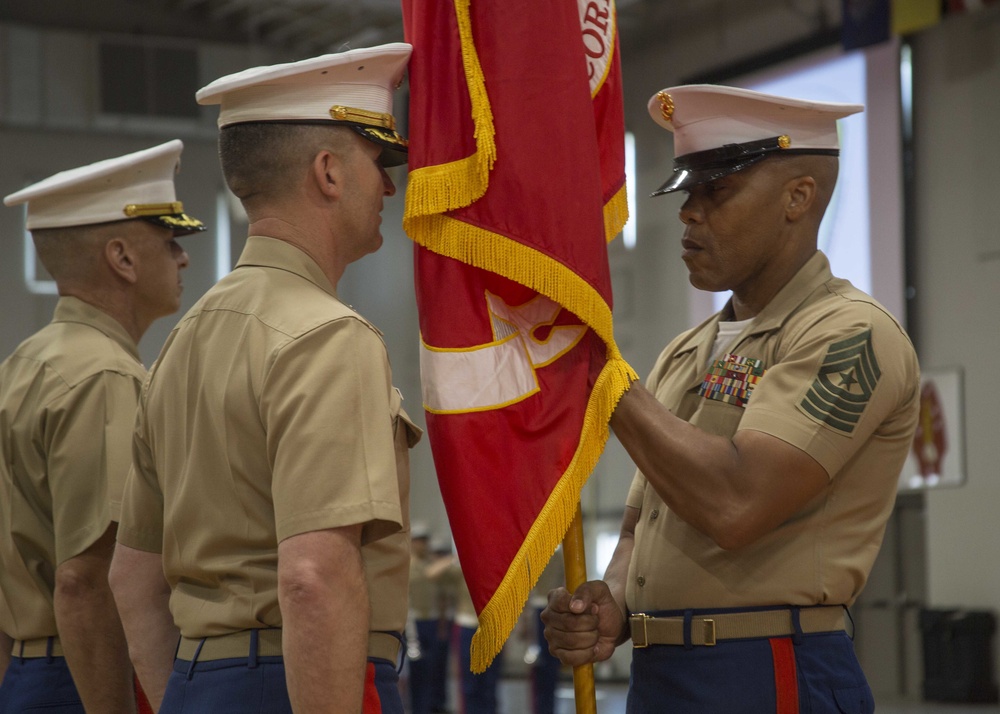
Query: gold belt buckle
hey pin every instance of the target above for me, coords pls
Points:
(709, 632)
(645, 635)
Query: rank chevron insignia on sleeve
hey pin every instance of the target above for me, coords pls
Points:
(839, 394)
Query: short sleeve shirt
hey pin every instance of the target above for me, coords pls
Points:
(67, 405)
(826, 369)
(269, 413)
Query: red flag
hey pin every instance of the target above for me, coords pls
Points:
(516, 184)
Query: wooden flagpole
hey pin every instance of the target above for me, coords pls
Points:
(575, 559)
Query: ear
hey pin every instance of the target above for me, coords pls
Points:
(122, 258)
(328, 174)
(800, 195)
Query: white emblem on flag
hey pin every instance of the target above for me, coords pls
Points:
(597, 29)
(502, 372)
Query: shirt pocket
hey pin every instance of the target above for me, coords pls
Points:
(717, 417)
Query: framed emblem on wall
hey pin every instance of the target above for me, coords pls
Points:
(937, 455)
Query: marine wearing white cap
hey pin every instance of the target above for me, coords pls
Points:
(719, 130)
(106, 233)
(353, 88)
(137, 185)
(768, 439)
(272, 490)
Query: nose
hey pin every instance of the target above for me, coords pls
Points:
(183, 260)
(387, 184)
(690, 213)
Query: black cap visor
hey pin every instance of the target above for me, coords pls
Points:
(704, 166)
(683, 179)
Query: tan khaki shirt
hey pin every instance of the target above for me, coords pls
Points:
(67, 405)
(829, 371)
(423, 590)
(269, 413)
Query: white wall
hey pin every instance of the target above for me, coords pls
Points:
(957, 228)
(49, 123)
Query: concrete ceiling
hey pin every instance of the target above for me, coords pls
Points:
(300, 27)
(303, 28)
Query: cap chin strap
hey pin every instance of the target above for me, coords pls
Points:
(733, 153)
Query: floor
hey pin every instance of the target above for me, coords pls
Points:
(611, 700)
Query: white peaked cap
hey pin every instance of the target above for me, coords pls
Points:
(719, 130)
(354, 88)
(137, 185)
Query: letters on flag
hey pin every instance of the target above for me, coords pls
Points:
(516, 184)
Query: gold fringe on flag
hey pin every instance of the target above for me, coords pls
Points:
(545, 275)
(521, 263)
(616, 214)
(434, 190)
(445, 187)
(498, 618)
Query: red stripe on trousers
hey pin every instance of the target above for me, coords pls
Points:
(786, 683)
(141, 702)
(372, 703)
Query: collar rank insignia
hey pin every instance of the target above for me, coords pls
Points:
(839, 394)
(732, 380)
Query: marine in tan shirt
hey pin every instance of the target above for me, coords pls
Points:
(816, 325)
(314, 438)
(266, 516)
(67, 407)
(768, 439)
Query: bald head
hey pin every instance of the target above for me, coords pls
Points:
(74, 255)
(264, 161)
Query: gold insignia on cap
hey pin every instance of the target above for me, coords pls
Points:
(666, 105)
(784, 141)
(136, 210)
(182, 221)
(362, 116)
(390, 136)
